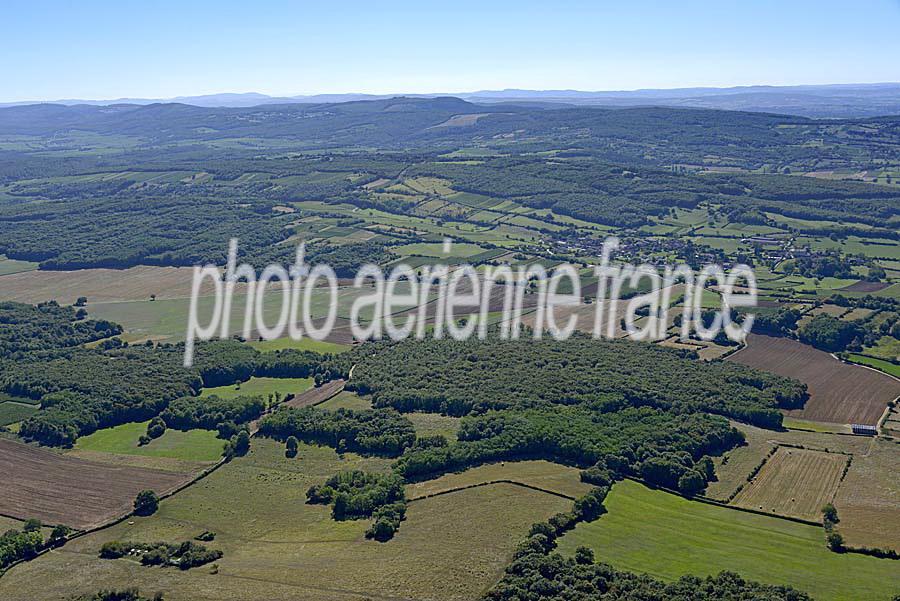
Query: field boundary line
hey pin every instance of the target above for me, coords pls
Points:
(491, 483)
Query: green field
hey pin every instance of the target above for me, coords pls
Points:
(11, 412)
(11, 266)
(885, 366)
(668, 536)
(260, 386)
(428, 424)
(304, 344)
(347, 400)
(169, 317)
(194, 445)
(886, 347)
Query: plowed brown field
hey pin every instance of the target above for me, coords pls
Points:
(64, 490)
(838, 392)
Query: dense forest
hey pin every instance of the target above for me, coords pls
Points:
(83, 389)
(377, 431)
(457, 377)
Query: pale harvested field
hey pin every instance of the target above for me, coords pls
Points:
(858, 313)
(742, 460)
(794, 482)
(868, 500)
(838, 392)
(136, 283)
(833, 310)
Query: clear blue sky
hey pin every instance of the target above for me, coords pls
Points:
(111, 49)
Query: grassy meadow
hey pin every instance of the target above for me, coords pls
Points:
(276, 547)
(260, 386)
(193, 445)
(667, 536)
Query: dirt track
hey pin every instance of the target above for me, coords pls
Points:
(64, 490)
(314, 396)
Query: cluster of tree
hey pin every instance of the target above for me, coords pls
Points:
(831, 265)
(16, 545)
(155, 428)
(457, 377)
(27, 328)
(82, 390)
(386, 521)
(146, 502)
(185, 556)
(662, 447)
(372, 431)
(224, 362)
(213, 412)
(611, 194)
(357, 494)
(102, 231)
(780, 322)
(829, 333)
(537, 576)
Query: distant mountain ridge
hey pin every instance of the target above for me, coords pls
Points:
(819, 101)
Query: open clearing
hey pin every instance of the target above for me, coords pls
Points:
(667, 536)
(12, 412)
(193, 445)
(546, 475)
(838, 393)
(275, 546)
(260, 386)
(794, 482)
(11, 266)
(134, 284)
(304, 344)
(65, 490)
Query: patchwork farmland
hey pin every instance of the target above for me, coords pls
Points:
(794, 482)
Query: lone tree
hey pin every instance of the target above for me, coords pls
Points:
(835, 542)
(58, 536)
(146, 503)
(241, 443)
(830, 515)
(292, 444)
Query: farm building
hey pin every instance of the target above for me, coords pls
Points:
(864, 429)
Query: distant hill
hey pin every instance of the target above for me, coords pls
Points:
(819, 101)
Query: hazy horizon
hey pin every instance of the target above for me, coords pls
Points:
(169, 49)
(456, 93)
